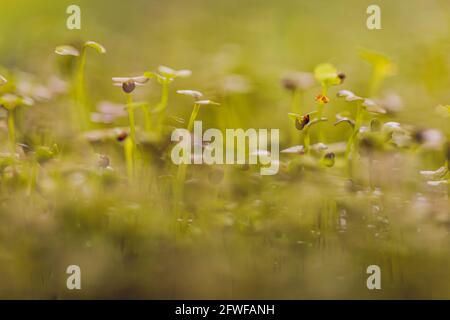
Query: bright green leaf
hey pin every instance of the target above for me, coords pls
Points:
(327, 75)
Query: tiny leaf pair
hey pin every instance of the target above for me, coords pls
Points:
(66, 50)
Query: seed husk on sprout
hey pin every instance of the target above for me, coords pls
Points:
(328, 159)
(129, 84)
(303, 123)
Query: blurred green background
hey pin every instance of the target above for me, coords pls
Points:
(260, 39)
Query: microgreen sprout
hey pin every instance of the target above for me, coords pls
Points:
(10, 102)
(327, 75)
(304, 123)
(197, 104)
(128, 85)
(181, 173)
(362, 105)
(79, 81)
(165, 76)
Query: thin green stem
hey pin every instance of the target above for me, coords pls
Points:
(80, 98)
(147, 118)
(353, 141)
(130, 110)
(11, 131)
(164, 95)
(129, 159)
(181, 172)
(307, 141)
(130, 144)
(358, 123)
(297, 96)
(193, 116)
(162, 106)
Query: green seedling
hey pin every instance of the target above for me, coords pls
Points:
(327, 75)
(304, 123)
(181, 172)
(165, 76)
(10, 102)
(82, 109)
(128, 85)
(197, 104)
(362, 105)
(382, 67)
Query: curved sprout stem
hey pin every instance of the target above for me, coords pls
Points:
(80, 94)
(130, 143)
(12, 131)
(181, 172)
